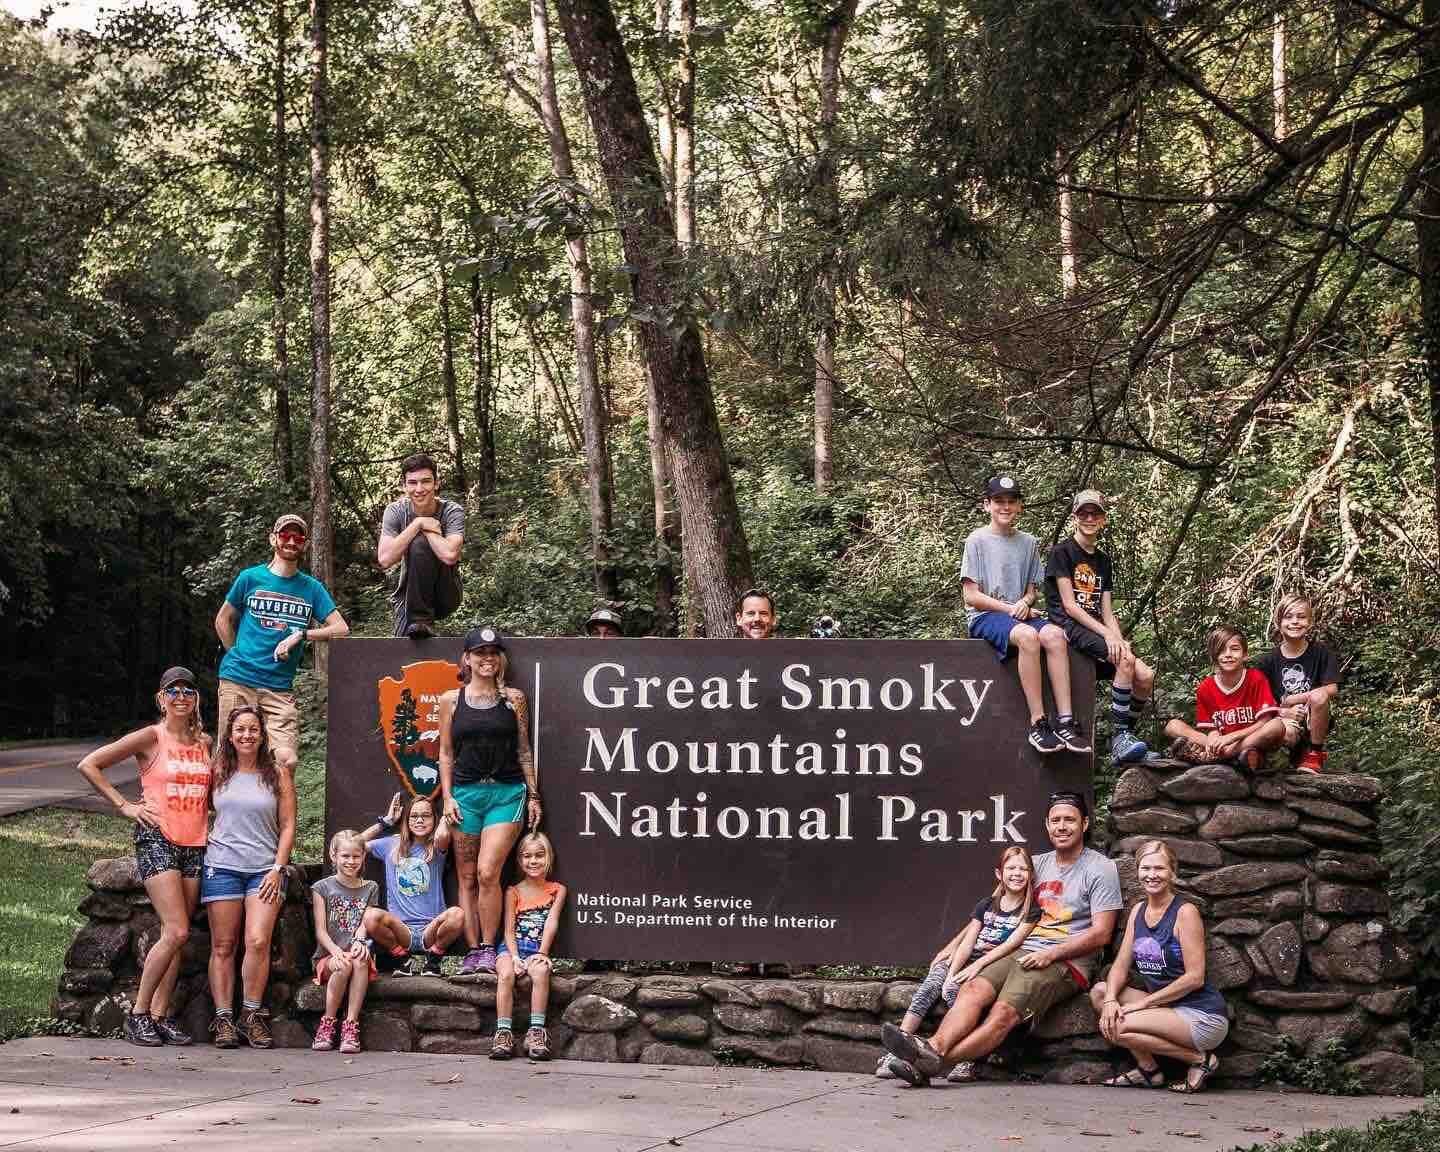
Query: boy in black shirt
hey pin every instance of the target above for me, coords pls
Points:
(1079, 581)
(1305, 677)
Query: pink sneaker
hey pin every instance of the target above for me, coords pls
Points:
(324, 1035)
(350, 1037)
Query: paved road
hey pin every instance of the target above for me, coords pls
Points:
(44, 776)
(59, 1095)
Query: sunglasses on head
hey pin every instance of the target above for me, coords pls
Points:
(178, 690)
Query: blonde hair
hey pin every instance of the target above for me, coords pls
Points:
(342, 837)
(1024, 853)
(195, 723)
(501, 674)
(1151, 848)
(533, 838)
(1286, 603)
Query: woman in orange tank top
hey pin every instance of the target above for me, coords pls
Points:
(170, 827)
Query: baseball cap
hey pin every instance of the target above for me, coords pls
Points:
(176, 675)
(482, 635)
(1089, 496)
(1074, 799)
(605, 616)
(290, 518)
(1003, 486)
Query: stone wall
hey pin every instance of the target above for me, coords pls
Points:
(1285, 870)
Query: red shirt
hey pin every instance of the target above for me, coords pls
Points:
(1217, 710)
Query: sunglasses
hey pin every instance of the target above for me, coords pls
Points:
(187, 693)
(292, 537)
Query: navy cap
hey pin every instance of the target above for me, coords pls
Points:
(483, 635)
(1003, 486)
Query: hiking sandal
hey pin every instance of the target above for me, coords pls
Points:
(1137, 1077)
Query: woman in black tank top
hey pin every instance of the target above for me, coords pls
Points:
(487, 778)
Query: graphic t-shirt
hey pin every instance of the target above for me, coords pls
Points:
(344, 910)
(1089, 572)
(997, 926)
(530, 913)
(1292, 675)
(1217, 710)
(414, 887)
(1000, 566)
(1069, 898)
(271, 606)
(397, 518)
(177, 779)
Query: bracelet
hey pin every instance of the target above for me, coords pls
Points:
(385, 822)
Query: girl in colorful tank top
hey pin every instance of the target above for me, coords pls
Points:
(532, 917)
(170, 822)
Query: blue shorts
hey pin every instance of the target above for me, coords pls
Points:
(228, 884)
(487, 802)
(994, 628)
(527, 948)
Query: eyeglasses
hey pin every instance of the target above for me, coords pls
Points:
(1089, 512)
(422, 816)
(292, 537)
(187, 693)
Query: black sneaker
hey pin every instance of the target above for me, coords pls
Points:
(140, 1029)
(414, 966)
(432, 965)
(1071, 733)
(171, 1032)
(420, 630)
(1043, 740)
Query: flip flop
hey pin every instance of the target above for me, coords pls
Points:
(1206, 1068)
(1137, 1077)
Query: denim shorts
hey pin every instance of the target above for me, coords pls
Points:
(155, 854)
(994, 628)
(527, 948)
(487, 802)
(228, 884)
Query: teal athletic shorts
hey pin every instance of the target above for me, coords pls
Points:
(488, 802)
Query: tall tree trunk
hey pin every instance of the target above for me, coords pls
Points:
(1069, 268)
(448, 387)
(322, 532)
(582, 322)
(715, 537)
(1427, 230)
(826, 195)
(487, 478)
(665, 121)
(283, 446)
(667, 542)
(1277, 77)
(684, 168)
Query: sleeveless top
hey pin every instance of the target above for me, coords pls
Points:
(176, 778)
(486, 742)
(247, 825)
(1159, 961)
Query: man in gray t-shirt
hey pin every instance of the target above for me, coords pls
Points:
(422, 533)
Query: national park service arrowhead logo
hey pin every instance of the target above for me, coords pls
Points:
(410, 722)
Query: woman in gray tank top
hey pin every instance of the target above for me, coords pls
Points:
(253, 798)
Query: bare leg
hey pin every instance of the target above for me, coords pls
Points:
(539, 987)
(1155, 1032)
(1057, 660)
(467, 850)
(173, 903)
(1266, 738)
(504, 986)
(260, 920)
(387, 930)
(444, 930)
(495, 844)
(1319, 722)
(359, 985)
(970, 1005)
(991, 1033)
(335, 986)
(225, 917)
(1026, 642)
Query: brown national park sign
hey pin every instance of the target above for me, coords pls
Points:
(839, 801)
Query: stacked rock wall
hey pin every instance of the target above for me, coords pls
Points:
(1285, 871)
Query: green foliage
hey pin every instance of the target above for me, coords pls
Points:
(1323, 1072)
(1417, 1131)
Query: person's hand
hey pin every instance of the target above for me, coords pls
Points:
(292, 641)
(1037, 960)
(537, 963)
(968, 973)
(339, 962)
(397, 805)
(1020, 610)
(142, 812)
(943, 954)
(1228, 745)
(358, 950)
(1111, 1016)
(1214, 743)
(427, 523)
(270, 886)
(1314, 698)
(452, 810)
(1114, 647)
(534, 809)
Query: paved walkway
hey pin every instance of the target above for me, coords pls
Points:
(95, 1095)
(44, 776)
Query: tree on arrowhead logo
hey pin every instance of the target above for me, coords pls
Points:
(410, 722)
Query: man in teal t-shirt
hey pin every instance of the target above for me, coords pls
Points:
(268, 613)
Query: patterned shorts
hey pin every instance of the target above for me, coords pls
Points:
(155, 854)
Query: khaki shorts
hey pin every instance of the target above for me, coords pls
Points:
(282, 718)
(1030, 991)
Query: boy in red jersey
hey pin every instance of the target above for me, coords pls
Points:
(1236, 717)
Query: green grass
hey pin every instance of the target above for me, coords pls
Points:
(1417, 1131)
(43, 859)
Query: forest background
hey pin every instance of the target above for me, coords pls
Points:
(690, 294)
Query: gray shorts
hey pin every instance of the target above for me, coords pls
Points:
(1207, 1029)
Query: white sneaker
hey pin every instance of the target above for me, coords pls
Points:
(884, 1067)
(962, 1073)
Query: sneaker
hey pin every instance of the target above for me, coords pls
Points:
(912, 1076)
(415, 966)
(1126, 748)
(911, 1050)
(1071, 733)
(537, 1044)
(225, 1033)
(1042, 739)
(171, 1032)
(1312, 761)
(962, 1073)
(486, 962)
(470, 965)
(350, 1037)
(254, 1028)
(420, 630)
(431, 967)
(324, 1034)
(885, 1066)
(140, 1029)
(503, 1046)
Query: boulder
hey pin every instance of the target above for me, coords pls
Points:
(831, 1055)
(1239, 926)
(1152, 820)
(787, 1050)
(684, 1026)
(1225, 965)
(1268, 788)
(1074, 1017)
(144, 931)
(1253, 876)
(1281, 905)
(772, 1020)
(801, 997)
(70, 1008)
(849, 1027)
(1299, 1001)
(1273, 844)
(1206, 783)
(290, 1033)
(592, 1013)
(456, 1043)
(98, 944)
(1231, 820)
(1389, 1073)
(476, 990)
(726, 992)
(632, 1042)
(1349, 954)
(1190, 853)
(106, 1017)
(1395, 1004)
(199, 1012)
(120, 874)
(310, 998)
(1313, 927)
(1348, 788)
(669, 992)
(612, 987)
(1129, 873)
(898, 996)
(1395, 1038)
(86, 981)
(381, 1032)
(1242, 1067)
(598, 1047)
(1281, 948)
(1336, 834)
(103, 906)
(677, 1055)
(445, 1017)
(1350, 900)
(1312, 1032)
(1079, 1072)
(1329, 811)
(1135, 786)
(853, 996)
(1362, 866)
(1256, 1039)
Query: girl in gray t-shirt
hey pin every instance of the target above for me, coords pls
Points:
(344, 906)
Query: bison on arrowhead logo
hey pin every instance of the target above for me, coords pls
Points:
(410, 722)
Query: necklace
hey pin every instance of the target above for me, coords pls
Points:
(483, 700)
